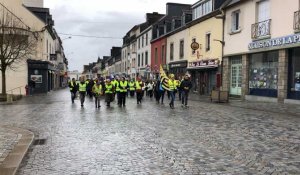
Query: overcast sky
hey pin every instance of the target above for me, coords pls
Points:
(107, 18)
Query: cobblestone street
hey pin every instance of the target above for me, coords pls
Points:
(207, 138)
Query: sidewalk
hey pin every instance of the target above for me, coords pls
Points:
(289, 109)
(14, 143)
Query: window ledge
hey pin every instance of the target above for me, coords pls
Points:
(235, 31)
(297, 31)
(262, 38)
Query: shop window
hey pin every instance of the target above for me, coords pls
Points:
(263, 74)
(294, 74)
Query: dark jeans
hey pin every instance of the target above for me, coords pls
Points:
(150, 92)
(97, 101)
(131, 93)
(184, 98)
(172, 96)
(119, 98)
(139, 96)
(73, 96)
(82, 97)
(160, 96)
(122, 96)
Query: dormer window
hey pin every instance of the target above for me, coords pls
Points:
(202, 9)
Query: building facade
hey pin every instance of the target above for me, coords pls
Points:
(261, 54)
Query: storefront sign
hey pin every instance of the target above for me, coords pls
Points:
(286, 40)
(204, 63)
(178, 65)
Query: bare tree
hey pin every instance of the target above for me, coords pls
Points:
(17, 42)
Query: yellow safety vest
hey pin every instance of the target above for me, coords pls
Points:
(82, 87)
(108, 89)
(97, 89)
(131, 86)
(123, 86)
(138, 85)
(72, 85)
(172, 85)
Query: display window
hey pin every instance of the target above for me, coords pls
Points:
(294, 74)
(263, 74)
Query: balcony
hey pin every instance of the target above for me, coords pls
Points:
(297, 21)
(261, 30)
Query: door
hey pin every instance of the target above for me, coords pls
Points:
(236, 76)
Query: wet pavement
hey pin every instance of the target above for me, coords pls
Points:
(207, 138)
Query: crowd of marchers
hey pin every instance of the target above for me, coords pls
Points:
(119, 88)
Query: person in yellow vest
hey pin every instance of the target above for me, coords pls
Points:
(132, 87)
(139, 92)
(97, 91)
(172, 87)
(109, 89)
(123, 85)
(82, 90)
(73, 89)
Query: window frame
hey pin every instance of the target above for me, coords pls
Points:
(181, 49)
(207, 41)
(171, 51)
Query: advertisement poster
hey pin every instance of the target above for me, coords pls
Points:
(37, 78)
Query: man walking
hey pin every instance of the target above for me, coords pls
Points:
(131, 88)
(82, 90)
(139, 92)
(172, 86)
(185, 85)
(109, 89)
(123, 84)
(73, 89)
(97, 91)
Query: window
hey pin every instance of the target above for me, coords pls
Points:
(263, 10)
(172, 51)
(139, 60)
(139, 42)
(146, 39)
(162, 53)
(181, 49)
(235, 23)
(146, 58)
(156, 55)
(142, 59)
(202, 9)
(207, 42)
(193, 51)
(142, 41)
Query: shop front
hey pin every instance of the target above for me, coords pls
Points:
(263, 74)
(40, 76)
(178, 68)
(203, 75)
(294, 74)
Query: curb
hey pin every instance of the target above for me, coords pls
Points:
(14, 158)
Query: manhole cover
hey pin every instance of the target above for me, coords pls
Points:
(39, 142)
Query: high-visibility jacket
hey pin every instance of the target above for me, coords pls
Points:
(172, 85)
(82, 87)
(131, 86)
(177, 83)
(109, 89)
(123, 86)
(72, 85)
(138, 85)
(116, 83)
(97, 89)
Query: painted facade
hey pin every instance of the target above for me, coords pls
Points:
(265, 66)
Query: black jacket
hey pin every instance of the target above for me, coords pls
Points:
(186, 85)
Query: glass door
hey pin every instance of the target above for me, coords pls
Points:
(236, 76)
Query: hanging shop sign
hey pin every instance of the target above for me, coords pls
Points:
(208, 63)
(276, 42)
(195, 45)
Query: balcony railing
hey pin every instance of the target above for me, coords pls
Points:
(297, 20)
(261, 29)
